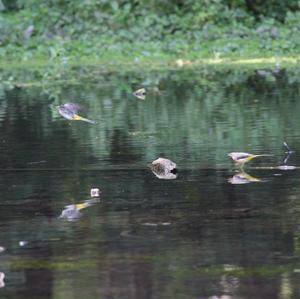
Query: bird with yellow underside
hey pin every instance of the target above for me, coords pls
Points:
(70, 111)
(240, 158)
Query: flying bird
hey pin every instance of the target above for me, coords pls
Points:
(70, 111)
(241, 158)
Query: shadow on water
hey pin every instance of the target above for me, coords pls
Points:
(209, 232)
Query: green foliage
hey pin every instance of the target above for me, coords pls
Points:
(92, 28)
(276, 9)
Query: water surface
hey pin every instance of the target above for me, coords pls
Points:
(198, 236)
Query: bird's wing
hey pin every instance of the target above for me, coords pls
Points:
(72, 107)
(244, 156)
(239, 155)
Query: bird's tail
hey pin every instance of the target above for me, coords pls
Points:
(81, 206)
(78, 117)
(263, 155)
(87, 203)
(248, 177)
(255, 156)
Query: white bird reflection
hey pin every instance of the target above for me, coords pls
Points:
(23, 243)
(73, 212)
(243, 178)
(2, 283)
(164, 169)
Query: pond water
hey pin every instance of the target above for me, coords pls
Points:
(210, 233)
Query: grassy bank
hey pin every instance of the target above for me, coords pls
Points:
(146, 56)
(44, 45)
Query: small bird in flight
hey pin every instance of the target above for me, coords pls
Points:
(241, 158)
(70, 110)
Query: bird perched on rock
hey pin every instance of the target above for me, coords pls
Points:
(69, 111)
(140, 93)
(241, 158)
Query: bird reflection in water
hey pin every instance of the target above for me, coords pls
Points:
(2, 275)
(2, 283)
(243, 178)
(70, 111)
(164, 169)
(73, 212)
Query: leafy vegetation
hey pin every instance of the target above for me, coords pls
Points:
(131, 31)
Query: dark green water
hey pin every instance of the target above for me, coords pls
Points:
(197, 236)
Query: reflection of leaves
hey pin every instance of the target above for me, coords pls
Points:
(107, 94)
